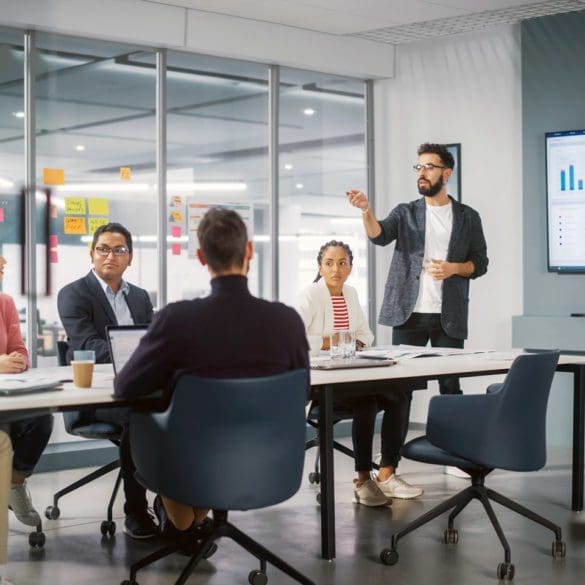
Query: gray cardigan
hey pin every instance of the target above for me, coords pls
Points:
(406, 225)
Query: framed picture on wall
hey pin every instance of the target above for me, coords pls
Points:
(454, 185)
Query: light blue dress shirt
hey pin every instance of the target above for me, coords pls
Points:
(117, 301)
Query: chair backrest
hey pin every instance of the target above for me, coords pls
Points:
(226, 444)
(512, 431)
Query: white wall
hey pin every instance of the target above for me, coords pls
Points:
(463, 89)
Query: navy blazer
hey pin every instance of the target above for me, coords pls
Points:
(85, 311)
(406, 225)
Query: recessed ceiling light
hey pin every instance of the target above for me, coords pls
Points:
(308, 111)
(299, 185)
(18, 114)
(80, 148)
(288, 167)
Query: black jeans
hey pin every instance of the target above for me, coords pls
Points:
(29, 438)
(419, 330)
(396, 406)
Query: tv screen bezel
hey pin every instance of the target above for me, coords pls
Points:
(557, 269)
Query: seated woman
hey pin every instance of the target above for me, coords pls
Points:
(329, 305)
(29, 436)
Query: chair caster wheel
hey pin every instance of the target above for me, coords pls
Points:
(451, 536)
(559, 549)
(315, 477)
(108, 528)
(52, 512)
(506, 571)
(318, 498)
(389, 556)
(257, 577)
(36, 540)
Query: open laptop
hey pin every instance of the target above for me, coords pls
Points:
(122, 342)
(345, 364)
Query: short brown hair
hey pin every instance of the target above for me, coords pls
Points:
(222, 238)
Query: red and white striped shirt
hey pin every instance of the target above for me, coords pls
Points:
(340, 314)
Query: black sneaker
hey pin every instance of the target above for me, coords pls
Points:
(140, 526)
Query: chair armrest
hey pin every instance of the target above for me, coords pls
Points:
(462, 424)
(493, 388)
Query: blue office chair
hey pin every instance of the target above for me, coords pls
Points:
(85, 423)
(503, 429)
(253, 426)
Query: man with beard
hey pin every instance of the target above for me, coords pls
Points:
(440, 246)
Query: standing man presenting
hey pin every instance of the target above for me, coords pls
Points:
(440, 246)
(102, 297)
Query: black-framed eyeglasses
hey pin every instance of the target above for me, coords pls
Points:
(106, 250)
(426, 167)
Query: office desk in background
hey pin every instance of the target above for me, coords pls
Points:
(326, 385)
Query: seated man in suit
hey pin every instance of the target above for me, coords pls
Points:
(228, 334)
(102, 297)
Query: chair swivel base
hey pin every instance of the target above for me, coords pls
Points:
(477, 491)
(107, 527)
(222, 528)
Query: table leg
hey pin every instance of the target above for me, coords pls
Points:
(327, 479)
(578, 437)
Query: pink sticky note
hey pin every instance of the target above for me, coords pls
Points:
(53, 241)
(1, 214)
(53, 257)
(176, 248)
(176, 231)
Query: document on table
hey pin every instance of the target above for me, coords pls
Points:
(14, 384)
(412, 351)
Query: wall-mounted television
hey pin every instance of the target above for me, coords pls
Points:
(565, 194)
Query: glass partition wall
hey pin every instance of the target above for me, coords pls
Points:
(92, 121)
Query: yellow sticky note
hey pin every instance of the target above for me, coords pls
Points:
(125, 173)
(74, 206)
(74, 225)
(95, 222)
(99, 207)
(53, 176)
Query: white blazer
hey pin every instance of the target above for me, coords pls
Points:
(316, 310)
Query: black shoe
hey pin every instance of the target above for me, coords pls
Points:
(140, 526)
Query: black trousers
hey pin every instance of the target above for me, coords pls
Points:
(419, 330)
(396, 406)
(135, 494)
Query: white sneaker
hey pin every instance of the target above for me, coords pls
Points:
(21, 504)
(456, 472)
(396, 487)
(369, 494)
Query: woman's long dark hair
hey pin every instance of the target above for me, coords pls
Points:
(332, 244)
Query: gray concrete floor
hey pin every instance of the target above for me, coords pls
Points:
(75, 552)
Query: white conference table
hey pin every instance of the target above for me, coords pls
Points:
(326, 385)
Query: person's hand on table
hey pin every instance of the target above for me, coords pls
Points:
(12, 363)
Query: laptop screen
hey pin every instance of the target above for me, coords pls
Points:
(122, 341)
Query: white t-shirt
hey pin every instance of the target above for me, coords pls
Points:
(438, 227)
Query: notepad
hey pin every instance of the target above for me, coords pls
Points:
(16, 385)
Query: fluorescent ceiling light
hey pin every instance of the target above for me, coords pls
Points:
(299, 185)
(18, 114)
(308, 111)
(208, 186)
(346, 221)
(288, 167)
(103, 187)
(6, 183)
(80, 148)
(142, 187)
